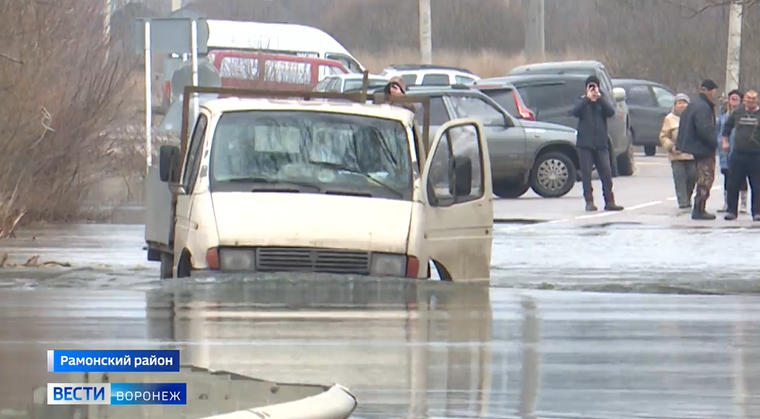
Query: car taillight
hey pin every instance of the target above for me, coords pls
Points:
(524, 112)
(168, 90)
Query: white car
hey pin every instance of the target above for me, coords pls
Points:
(430, 75)
(343, 82)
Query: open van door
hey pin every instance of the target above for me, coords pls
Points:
(458, 197)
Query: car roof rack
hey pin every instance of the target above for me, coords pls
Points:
(426, 67)
(362, 96)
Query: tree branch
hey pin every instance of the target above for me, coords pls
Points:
(12, 59)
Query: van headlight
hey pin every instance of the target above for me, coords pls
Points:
(388, 265)
(237, 259)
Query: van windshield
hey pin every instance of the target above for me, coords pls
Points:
(311, 152)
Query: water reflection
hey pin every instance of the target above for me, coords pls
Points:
(405, 349)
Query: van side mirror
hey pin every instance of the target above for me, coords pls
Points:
(169, 163)
(619, 94)
(462, 176)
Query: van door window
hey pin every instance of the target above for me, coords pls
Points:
(239, 68)
(194, 156)
(348, 62)
(456, 143)
(287, 72)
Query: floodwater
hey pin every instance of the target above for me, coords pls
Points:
(675, 334)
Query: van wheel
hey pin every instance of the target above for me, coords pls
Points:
(167, 265)
(553, 175)
(510, 190)
(183, 269)
(650, 150)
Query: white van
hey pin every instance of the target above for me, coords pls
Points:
(280, 38)
(325, 186)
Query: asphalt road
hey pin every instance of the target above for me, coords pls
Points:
(649, 198)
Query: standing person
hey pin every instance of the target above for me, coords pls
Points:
(744, 159)
(682, 164)
(592, 111)
(698, 136)
(734, 101)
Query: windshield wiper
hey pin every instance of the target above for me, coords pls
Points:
(344, 168)
(255, 179)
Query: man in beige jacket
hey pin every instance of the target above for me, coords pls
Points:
(683, 165)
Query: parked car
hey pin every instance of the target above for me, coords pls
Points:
(349, 82)
(507, 96)
(649, 103)
(542, 79)
(524, 154)
(430, 75)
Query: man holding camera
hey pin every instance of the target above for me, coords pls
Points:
(592, 143)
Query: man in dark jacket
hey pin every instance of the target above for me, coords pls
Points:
(744, 159)
(592, 111)
(697, 135)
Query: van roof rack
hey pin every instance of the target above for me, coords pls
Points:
(362, 97)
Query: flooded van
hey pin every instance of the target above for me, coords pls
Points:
(334, 185)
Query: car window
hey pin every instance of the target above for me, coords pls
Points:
(475, 107)
(665, 98)
(552, 96)
(322, 85)
(334, 85)
(436, 80)
(639, 96)
(463, 80)
(409, 79)
(505, 98)
(438, 113)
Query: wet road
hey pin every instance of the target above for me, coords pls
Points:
(634, 349)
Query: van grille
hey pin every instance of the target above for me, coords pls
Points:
(311, 260)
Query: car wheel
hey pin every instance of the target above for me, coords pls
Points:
(625, 162)
(650, 150)
(509, 190)
(553, 175)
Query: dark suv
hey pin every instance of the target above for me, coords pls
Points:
(549, 89)
(524, 154)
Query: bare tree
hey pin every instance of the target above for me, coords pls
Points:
(59, 93)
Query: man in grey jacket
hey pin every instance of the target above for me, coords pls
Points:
(744, 159)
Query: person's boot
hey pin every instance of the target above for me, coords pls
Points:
(725, 202)
(610, 205)
(729, 216)
(590, 207)
(699, 212)
(743, 202)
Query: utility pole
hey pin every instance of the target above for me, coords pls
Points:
(535, 32)
(733, 56)
(426, 32)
